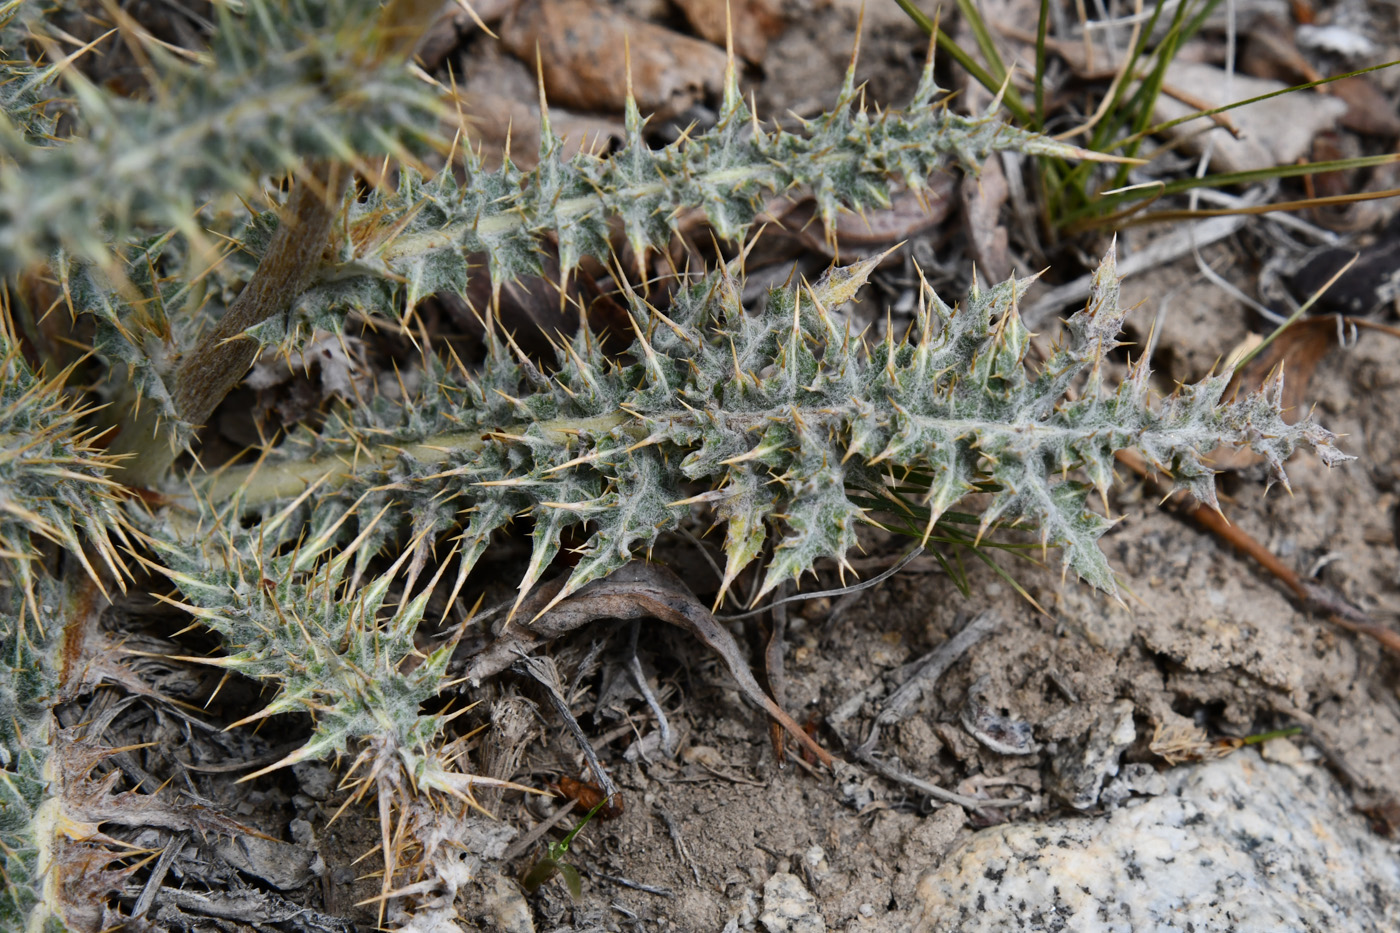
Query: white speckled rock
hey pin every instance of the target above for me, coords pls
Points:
(788, 907)
(1239, 845)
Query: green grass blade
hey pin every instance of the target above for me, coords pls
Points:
(1159, 127)
(1041, 28)
(968, 63)
(1225, 180)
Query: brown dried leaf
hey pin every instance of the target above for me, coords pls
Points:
(754, 21)
(636, 591)
(454, 25)
(983, 196)
(581, 53)
(1369, 111)
(909, 214)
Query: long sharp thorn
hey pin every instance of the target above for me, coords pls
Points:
(848, 84)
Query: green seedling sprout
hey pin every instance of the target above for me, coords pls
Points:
(1262, 737)
(553, 862)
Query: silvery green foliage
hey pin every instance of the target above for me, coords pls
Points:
(284, 81)
(415, 238)
(53, 485)
(53, 481)
(28, 638)
(140, 341)
(781, 415)
(291, 615)
(23, 84)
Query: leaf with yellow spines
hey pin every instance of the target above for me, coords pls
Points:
(952, 480)
(550, 521)
(821, 520)
(1003, 359)
(339, 659)
(774, 415)
(53, 478)
(24, 84)
(31, 633)
(839, 284)
(847, 159)
(812, 415)
(744, 508)
(248, 108)
(641, 498)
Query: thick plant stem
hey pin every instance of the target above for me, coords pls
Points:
(264, 484)
(222, 359)
(217, 365)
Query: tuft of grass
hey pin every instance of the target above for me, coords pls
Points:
(1079, 196)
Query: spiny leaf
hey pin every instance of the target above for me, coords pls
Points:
(28, 685)
(415, 239)
(282, 83)
(332, 649)
(53, 482)
(808, 418)
(23, 82)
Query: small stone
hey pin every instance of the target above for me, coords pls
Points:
(1079, 768)
(817, 866)
(857, 796)
(507, 905)
(1281, 751)
(302, 833)
(315, 778)
(744, 913)
(788, 907)
(1139, 779)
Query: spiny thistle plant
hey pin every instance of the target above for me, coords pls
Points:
(28, 680)
(54, 482)
(309, 563)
